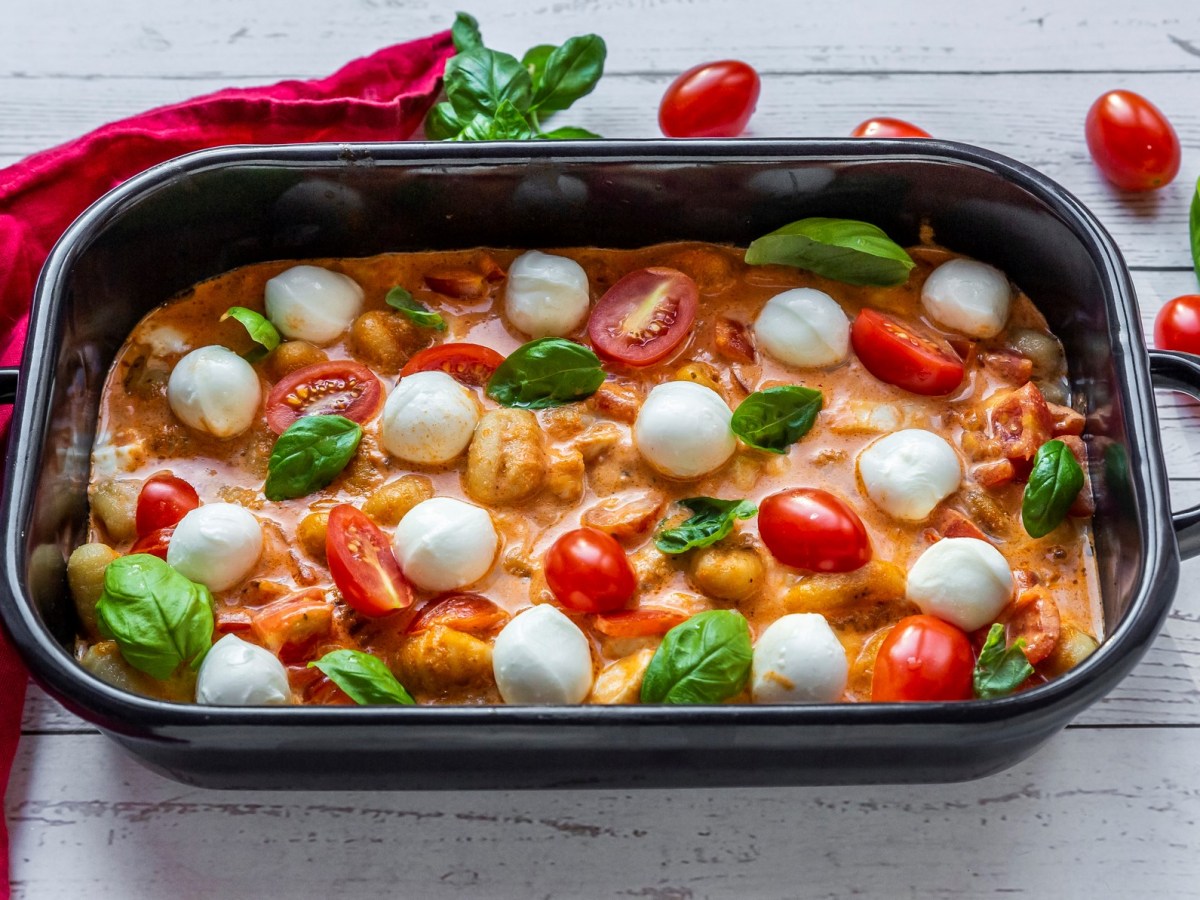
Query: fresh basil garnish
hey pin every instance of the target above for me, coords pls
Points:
(1194, 228)
(571, 71)
(159, 619)
(547, 372)
(260, 329)
(507, 124)
(364, 678)
(535, 61)
(1054, 483)
(1000, 670)
(465, 32)
(703, 660)
(569, 133)
(309, 455)
(712, 520)
(842, 249)
(402, 299)
(775, 418)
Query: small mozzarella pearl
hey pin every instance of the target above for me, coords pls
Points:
(213, 389)
(546, 295)
(683, 430)
(217, 545)
(799, 659)
(541, 657)
(909, 472)
(308, 303)
(968, 296)
(804, 327)
(443, 544)
(429, 418)
(238, 673)
(963, 581)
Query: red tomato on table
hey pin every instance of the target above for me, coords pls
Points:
(710, 100)
(468, 363)
(812, 529)
(901, 355)
(1132, 142)
(587, 570)
(645, 316)
(163, 501)
(362, 564)
(923, 658)
(338, 387)
(1177, 325)
(884, 127)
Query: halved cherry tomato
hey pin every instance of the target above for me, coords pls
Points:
(588, 571)
(1177, 325)
(646, 621)
(155, 542)
(710, 100)
(884, 127)
(812, 529)
(293, 621)
(645, 316)
(468, 363)
(362, 564)
(163, 501)
(466, 612)
(1132, 142)
(338, 387)
(923, 658)
(901, 355)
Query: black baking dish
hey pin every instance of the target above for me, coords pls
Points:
(209, 212)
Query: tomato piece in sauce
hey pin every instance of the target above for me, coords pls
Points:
(646, 621)
(362, 564)
(885, 127)
(337, 387)
(923, 658)
(710, 100)
(588, 571)
(645, 316)
(163, 501)
(465, 611)
(154, 542)
(471, 364)
(900, 355)
(809, 528)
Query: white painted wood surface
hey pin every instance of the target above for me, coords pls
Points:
(1108, 808)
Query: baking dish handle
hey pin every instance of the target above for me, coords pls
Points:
(8, 385)
(1180, 372)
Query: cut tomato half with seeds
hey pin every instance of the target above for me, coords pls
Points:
(362, 564)
(335, 388)
(903, 356)
(645, 316)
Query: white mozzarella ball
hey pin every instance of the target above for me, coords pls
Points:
(803, 327)
(963, 581)
(909, 472)
(429, 418)
(308, 303)
(683, 429)
(238, 673)
(443, 544)
(541, 657)
(217, 545)
(546, 295)
(968, 296)
(213, 389)
(799, 659)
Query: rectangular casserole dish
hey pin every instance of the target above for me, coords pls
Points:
(206, 213)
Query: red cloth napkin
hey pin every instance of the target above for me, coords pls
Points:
(381, 97)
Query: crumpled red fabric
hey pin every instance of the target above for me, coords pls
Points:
(381, 97)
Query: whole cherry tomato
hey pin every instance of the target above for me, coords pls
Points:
(1177, 325)
(338, 387)
(1132, 142)
(645, 316)
(923, 658)
(884, 127)
(163, 501)
(468, 363)
(901, 355)
(711, 100)
(812, 529)
(588, 571)
(362, 564)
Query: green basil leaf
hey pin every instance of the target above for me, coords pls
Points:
(364, 678)
(479, 81)
(703, 660)
(1194, 229)
(260, 329)
(775, 418)
(535, 61)
(1000, 670)
(416, 311)
(442, 123)
(571, 72)
(1053, 485)
(842, 249)
(570, 133)
(309, 455)
(547, 372)
(159, 619)
(712, 520)
(465, 32)
(508, 124)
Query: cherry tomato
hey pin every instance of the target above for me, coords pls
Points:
(711, 100)
(1177, 325)
(338, 387)
(812, 529)
(1132, 142)
(903, 356)
(362, 565)
(468, 363)
(646, 621)
(923, 658)
(884, 127)
(645, 316)
(466, 612)
(155, 543)
(588, 571)
(163, 501)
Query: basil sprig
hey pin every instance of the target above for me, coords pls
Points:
(775, 418)
(309, 455)
(1054, 483)
(842, 249)
(418, 313)
(260, 329)
(1194, 228)
(364, 678)
(712, 521)
(159, 619)
(1000, 670)
(703, 660)
(547, 372)
(492, 95)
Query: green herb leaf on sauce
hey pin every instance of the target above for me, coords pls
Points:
(260, 329)
(401, 299)
(1000, 670)
(465, 32)
(712, 520)
(309, 455)
(159, 619)
(775, 418)
(1194, 229)
(842, 249)
(364, 678)
(547, 372)
(703, 660)
(1054, 483)
(571, 71)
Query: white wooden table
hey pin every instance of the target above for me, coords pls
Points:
(1108, 808)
